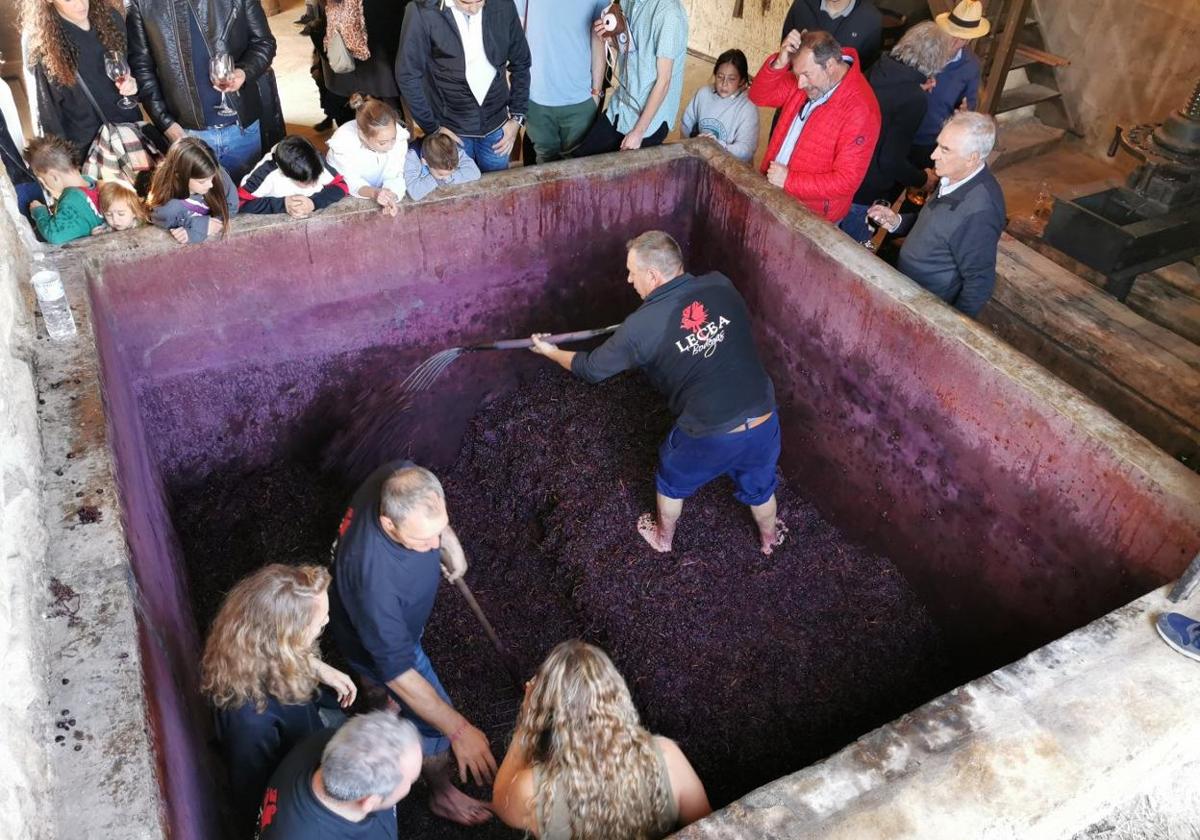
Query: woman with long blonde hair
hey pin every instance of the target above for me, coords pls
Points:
(262, 669)
(581, 767)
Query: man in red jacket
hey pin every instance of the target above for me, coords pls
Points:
(821, 148)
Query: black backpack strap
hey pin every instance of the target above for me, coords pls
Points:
(86, 92)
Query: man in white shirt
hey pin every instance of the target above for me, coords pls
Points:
(453, 70)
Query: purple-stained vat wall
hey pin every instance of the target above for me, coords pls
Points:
(1015, 525)
(275, 320)
(913, 432)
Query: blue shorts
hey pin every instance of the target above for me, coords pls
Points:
(433, 740)
(686, 463)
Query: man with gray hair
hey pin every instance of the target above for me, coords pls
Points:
(692, 336)
(394, 543)
(343, 783)
(951, 245)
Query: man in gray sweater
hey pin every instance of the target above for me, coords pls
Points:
(952, 242)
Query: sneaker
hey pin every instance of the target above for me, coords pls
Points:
(324, 125)
(1181, 633)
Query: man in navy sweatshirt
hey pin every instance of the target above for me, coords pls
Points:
(952, 242)
(692, 337)
(393, 544)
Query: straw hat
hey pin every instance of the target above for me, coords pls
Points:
(966, 21)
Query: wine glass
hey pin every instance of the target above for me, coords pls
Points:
(872, 225)
(117, 69)
(220, 69)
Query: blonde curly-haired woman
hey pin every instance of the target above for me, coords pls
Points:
(581, 767)
(261, 671)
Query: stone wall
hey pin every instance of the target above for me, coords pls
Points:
(1132, 61)
(24, 771)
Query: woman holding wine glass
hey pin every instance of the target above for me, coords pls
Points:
(77, 47)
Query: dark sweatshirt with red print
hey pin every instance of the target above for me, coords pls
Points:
(692, 337)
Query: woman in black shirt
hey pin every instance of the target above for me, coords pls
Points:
(67, 41)
(261, 671)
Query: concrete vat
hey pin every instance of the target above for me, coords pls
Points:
(1016, 509)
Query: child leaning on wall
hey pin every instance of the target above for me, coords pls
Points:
(292, 178)
(76, 204)
(192, 196)
(121, 207)
(722, 110)
(370, 152)
(437, 161)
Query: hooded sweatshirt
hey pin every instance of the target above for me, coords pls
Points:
(192, 213)
(733, 121)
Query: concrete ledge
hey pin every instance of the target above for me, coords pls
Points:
(1042, 748)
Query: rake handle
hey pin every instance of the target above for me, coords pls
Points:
(506, 658)
(560, 338)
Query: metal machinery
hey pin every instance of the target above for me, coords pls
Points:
(1153, 220)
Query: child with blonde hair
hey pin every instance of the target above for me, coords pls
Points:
(121, 207)
(369, 152)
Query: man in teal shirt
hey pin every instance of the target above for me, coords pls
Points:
(642, 109)
(566, 75)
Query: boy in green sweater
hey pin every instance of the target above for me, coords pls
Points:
(77, 207)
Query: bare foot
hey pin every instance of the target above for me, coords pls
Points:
(775, 538)
(450, 803)
(651, 534)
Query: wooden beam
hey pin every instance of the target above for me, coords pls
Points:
(1143, 374)
(1036, 56)
(1002, 54)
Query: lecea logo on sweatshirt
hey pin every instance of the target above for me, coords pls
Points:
(704, 334)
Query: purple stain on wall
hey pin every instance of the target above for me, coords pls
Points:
(230, 366)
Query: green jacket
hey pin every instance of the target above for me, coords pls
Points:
(74, 215)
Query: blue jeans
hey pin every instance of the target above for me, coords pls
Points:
(28, 191)
(479, 149)
(433, 741)
(237, 148)
(854, 224)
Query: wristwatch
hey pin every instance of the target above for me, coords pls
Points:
(519, 119)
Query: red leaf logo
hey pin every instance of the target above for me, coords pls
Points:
(694, 316)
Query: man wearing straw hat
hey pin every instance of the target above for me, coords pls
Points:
(957, 85)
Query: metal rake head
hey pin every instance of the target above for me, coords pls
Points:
(426, 373)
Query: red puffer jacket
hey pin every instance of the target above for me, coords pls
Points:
(835, 148)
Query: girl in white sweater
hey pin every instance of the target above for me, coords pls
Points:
(722, 110)
(370, 152)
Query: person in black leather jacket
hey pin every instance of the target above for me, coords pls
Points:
(451, 71)
(170, 45)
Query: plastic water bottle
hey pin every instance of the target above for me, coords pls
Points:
(52, 300)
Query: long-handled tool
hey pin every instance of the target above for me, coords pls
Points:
(506, 658)
(426, 373)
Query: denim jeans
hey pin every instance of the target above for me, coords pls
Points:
(479, 149)
(854, 224)
(237, 148)
(433, 740)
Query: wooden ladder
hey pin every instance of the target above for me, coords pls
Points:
(1016, 43)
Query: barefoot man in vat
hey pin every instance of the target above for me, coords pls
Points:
(393, 545)
(692, 337)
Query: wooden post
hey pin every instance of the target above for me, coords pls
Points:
(1002, 55)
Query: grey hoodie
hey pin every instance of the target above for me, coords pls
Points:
(733, 121)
